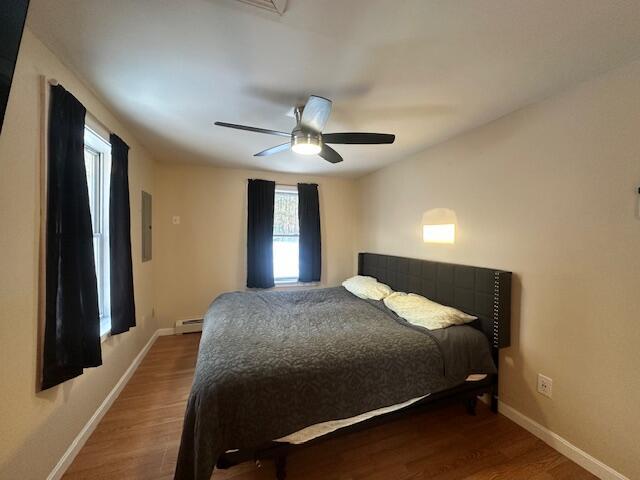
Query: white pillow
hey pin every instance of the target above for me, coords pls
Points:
(367, 287)
(421, 311)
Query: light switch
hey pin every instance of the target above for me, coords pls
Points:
(175, 220)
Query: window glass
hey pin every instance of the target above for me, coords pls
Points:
(97, 162)
(286, 235)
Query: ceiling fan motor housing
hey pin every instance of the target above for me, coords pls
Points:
(306, 142)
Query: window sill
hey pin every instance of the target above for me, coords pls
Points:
(296, 284)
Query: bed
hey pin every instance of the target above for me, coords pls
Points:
(278, 371)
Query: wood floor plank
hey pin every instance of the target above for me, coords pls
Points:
(138, 439)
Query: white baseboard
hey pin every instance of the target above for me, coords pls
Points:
(162, 332)
(563, 446)
(90, 426)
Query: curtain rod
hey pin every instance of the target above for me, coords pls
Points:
(286, 185)
(278, 184)
(54, 82)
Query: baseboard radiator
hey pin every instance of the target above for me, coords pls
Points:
(189, 325)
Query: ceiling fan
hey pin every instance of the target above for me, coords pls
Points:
(307, 138)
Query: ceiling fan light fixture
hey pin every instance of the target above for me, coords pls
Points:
(306, 143)
(307, 137)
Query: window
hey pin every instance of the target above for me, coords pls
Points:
(97, 160)
(286, 235)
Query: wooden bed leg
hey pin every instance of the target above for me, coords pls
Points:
(281, 467)
(494, 402)
(494, 386)
(223, 463)
(470, 404)
(494, 397)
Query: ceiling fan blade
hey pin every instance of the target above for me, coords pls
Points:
(272, 150)
(358, 138)
(252, 129)
(330, 155)
(315, 113)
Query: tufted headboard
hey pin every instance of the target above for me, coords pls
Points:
(483, 292)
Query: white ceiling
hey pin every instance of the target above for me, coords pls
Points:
(423, 69)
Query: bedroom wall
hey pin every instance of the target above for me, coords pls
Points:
(205, 254)
(550, 193)
(37, 428)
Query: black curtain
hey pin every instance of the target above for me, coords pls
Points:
(123, 307)
(72, 320)
(309, 221)
(261, 197)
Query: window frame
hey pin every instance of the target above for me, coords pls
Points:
(100, 148)
(286, 281)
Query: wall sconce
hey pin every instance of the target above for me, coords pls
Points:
(439, 226)
(439, 233)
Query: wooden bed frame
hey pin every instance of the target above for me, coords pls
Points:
(483, 292)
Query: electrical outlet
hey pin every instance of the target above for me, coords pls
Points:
(175, 220)
(545, 385)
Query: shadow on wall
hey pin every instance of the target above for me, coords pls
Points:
(511, 357)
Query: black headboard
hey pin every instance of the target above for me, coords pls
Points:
(483, 292)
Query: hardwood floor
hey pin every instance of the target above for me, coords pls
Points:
(139, 437)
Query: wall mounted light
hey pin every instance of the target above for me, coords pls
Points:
(439, 226)
(445, 233)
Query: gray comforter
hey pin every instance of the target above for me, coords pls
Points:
(272, 363)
